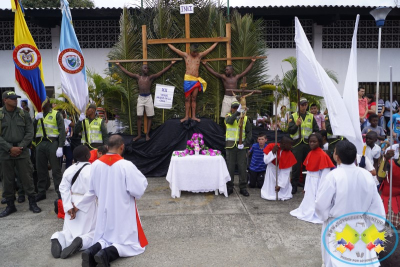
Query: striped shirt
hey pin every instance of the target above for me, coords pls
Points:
(257, 159)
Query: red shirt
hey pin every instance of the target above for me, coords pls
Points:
(369, 107)
(362, 106)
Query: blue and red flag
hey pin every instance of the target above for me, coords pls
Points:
(27, 60)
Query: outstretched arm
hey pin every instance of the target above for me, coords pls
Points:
(205, 53)
(247, 69)
(213, 72)
(130, 74)
(155, 76)
(176, 50)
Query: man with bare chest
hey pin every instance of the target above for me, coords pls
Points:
(145, 100)
(230, 81)
(192, 82)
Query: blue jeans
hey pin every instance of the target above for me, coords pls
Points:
(67, 150)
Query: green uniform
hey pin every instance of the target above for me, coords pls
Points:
(16, 131)
(301, 147)
(233, 154)
(46, 146)
(96, 132)
(332, 139)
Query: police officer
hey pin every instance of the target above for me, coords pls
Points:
(332, 139)
(16, 134)
(50, 139)
(301, 147)
(94, 134)
(235, 152)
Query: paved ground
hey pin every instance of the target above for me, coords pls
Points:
(195, 230)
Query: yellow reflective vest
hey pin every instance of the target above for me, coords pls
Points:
(93, 131)
(306, 127)
(50, 126)
(232, 131)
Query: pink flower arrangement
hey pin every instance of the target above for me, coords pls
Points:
(196, 143)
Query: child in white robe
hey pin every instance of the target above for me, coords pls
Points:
(285, 160)
(345, 191)
(318, 165)
(76, 234)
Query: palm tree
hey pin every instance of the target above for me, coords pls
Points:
(288, 88)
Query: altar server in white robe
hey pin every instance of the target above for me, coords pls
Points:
(348, 189)
(318, 164)
(116, 183)
(76, 234)
(283, 154)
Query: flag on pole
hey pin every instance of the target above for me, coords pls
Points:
(27, 60)
(313, 79)
(72, 64)
(350, 95)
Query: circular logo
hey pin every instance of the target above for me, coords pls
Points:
(27, 56)
(71, 61)
(359, 238)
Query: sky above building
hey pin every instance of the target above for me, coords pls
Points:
(121, 3)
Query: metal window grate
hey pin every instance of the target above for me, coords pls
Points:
(97, 33)
(339, 34)
(42, 36)
(277, 36)
(384, 89)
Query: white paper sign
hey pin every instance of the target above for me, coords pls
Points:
(187, 9)
(164, 96)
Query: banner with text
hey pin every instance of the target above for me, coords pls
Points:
(164, 96)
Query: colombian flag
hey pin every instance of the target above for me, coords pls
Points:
(27, 60)
(191, 83)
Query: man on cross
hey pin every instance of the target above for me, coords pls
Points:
(145, 100)
(193, 83)
(230, 82)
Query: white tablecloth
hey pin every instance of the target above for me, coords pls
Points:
(197, 174)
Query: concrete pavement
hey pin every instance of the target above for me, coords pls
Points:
(194, 230)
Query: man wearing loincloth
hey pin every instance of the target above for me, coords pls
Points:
(193, 83)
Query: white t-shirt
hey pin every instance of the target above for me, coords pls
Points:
(368, 166)
(396, 150)
(67, 122)
(326, 147)
(373, 153)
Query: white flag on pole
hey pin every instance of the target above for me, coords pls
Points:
(312, 79)
(72, 63)
(350, 95)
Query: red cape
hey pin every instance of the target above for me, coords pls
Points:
(317, 160)
(288, 159)
(93, 155)
(110, 159)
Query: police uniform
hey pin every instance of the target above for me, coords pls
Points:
(234, 155)
(96, 132)
(300, 147)
(332, 139)
(47, 143)
(16, 131)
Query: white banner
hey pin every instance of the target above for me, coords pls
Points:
(187, 9)
(164, 96)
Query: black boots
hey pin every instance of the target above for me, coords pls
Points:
(9, 209)
(32, 205)
(75, 246)
(40, 197)
(55, 248)
(88, 255)
(105, 256)
(21, 199)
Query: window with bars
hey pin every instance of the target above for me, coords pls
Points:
(42, 36)
(277, 36)
(339, 34)
(384, 89)
(97, 33)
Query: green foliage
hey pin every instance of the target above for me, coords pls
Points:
(163, 20)
(56, 3)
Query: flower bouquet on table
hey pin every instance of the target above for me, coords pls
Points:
(179, 153)
(196, 146)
